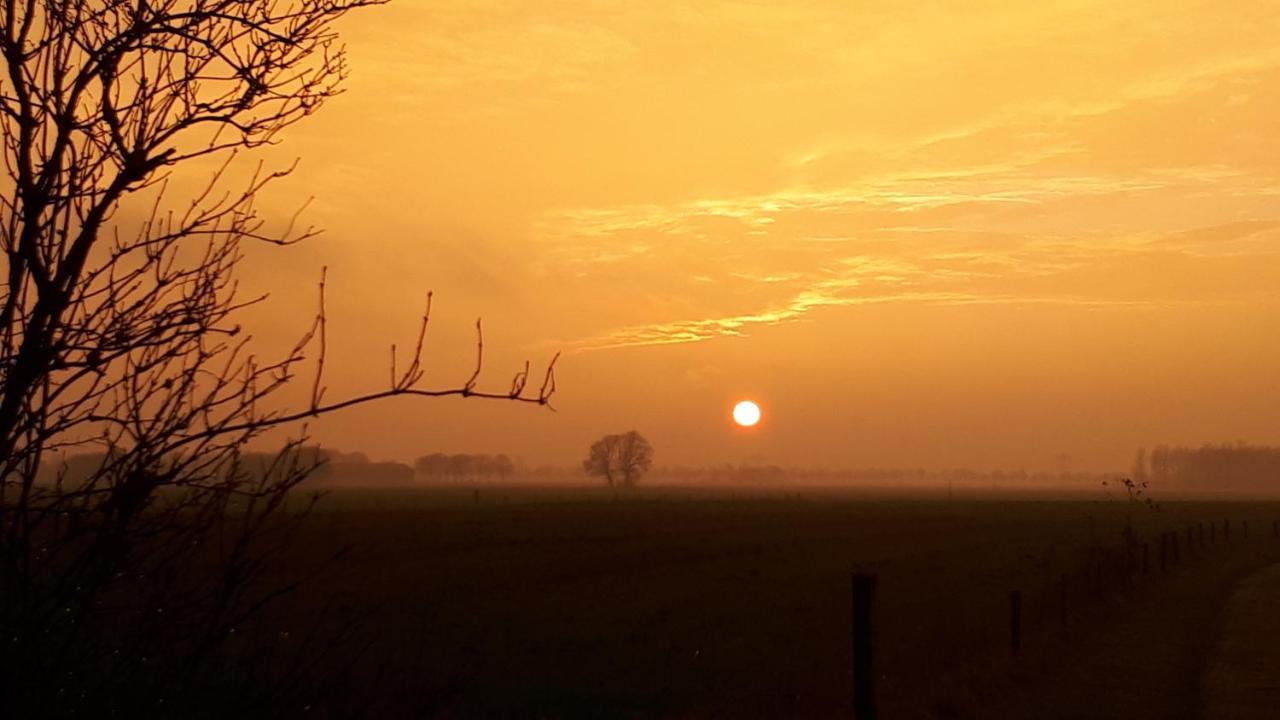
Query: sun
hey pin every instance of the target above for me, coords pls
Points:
(746, 413)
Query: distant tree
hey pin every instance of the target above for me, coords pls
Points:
(431, 467)
(463, 467)
(460, 466)
(619, 459)
(355, 458)
(1140, 467)
(1219, 467)
(599, 461)
(503, 466)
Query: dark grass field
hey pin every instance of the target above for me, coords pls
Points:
(668, 602)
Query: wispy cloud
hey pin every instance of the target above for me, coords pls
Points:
(686, 331)
(939, 266)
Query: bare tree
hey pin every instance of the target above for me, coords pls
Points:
(599, 460)
(120, 339)
(619, 459)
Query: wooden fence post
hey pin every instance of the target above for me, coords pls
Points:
(864, 593)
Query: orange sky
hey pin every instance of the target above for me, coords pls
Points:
(920, 234)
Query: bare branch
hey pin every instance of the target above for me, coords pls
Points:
(120, 332)
(317, 391)
(471, 382)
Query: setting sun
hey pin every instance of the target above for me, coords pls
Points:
(746, 413)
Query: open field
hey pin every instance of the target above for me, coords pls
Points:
(671, 602)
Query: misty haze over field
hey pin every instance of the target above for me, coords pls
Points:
(612, 359)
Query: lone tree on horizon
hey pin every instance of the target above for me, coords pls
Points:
(620, 459)
(120, 340)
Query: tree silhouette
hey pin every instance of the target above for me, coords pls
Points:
(120, 339)
(619, 459)
(438, 466)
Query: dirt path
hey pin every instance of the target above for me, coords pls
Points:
(1146, 657)
(1242, 677)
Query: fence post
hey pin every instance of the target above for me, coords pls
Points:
(1015, 622)
(1245, 528)
(1226, 531)
(864, 592)
(1164, 552)
(1213, 533)
(1200, 532)
(1191, 541)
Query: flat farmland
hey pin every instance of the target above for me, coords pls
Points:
(670, 602)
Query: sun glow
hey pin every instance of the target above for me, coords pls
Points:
(746, 413)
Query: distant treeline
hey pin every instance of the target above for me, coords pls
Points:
(339, 468)
(728, 474)
(463, 468)
(336, 468)
(1237, 467)
(331, 467)
(354, 468)
(350, 469)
